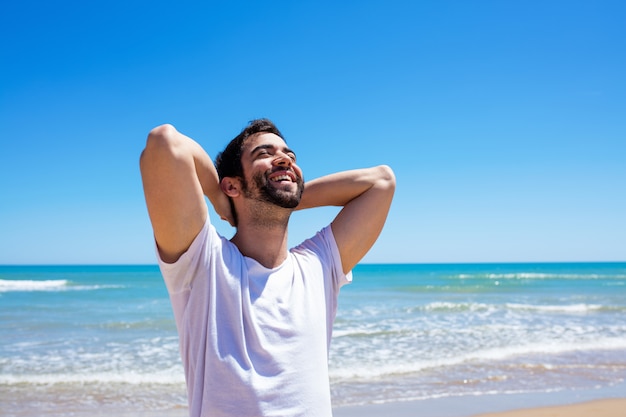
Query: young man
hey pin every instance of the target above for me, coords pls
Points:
(254, 317)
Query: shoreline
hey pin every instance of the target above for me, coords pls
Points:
(607, 407)
(612, 407)
(461, 407)
(606, 402)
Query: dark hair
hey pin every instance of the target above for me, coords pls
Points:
(228, 162)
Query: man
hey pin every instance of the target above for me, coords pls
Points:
(255, 318)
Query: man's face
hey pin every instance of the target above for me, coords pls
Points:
(270, 171)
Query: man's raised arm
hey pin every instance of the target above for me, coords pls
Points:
(365, 195)
(176, 174)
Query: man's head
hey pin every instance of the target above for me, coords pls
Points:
(265, 168)
(228, 162)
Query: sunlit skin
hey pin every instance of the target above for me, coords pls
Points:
(271, 174)
(178, 174)
(265, 197)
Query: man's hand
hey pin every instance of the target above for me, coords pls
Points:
(223, 208)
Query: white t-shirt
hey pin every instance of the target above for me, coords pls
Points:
(254, 341)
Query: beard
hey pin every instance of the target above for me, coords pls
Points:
(265, 192)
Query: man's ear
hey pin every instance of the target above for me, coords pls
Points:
(231, 186)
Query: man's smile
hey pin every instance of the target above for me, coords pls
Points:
(282, 176)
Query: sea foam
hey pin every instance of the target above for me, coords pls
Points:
(7, 285)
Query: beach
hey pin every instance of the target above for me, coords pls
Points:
(604, 408)
(459, 407)
(613, 407)
(536, 405)
(409, 340)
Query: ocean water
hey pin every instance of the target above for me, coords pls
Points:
(80, 338)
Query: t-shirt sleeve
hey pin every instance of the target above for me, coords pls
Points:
(325, 247)
(178, 276)
(340, 278)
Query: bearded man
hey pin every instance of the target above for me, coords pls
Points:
(254, 317)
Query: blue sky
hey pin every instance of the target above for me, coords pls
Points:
(504, 121)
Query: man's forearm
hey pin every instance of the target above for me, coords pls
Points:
(210, 183)
(340, 188)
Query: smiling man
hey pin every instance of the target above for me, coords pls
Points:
(254, 317)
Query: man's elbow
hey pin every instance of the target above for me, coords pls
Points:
(163, 135)
(386, 178)
(160, 139)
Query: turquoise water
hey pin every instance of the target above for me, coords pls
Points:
(78, 337)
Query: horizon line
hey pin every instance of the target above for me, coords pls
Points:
(359, 264)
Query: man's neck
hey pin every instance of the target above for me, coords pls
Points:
(263, 236)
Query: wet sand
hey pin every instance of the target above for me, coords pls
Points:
(567, 403)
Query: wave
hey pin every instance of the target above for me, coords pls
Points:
(8, 285)
(572, 308)
(443, 307)
(166, 377)
(538, 276)
(369, 371)
(31, 285)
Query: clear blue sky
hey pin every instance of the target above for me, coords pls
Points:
(505, 121)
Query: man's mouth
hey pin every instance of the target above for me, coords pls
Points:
(282, 177)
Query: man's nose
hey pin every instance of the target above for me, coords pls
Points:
(282, 160)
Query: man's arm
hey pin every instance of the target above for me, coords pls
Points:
(365, 195)
(177, 173)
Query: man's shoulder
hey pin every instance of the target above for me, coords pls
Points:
(321, 245)
(319, 238)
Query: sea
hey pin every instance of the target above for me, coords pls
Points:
(75, 339)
